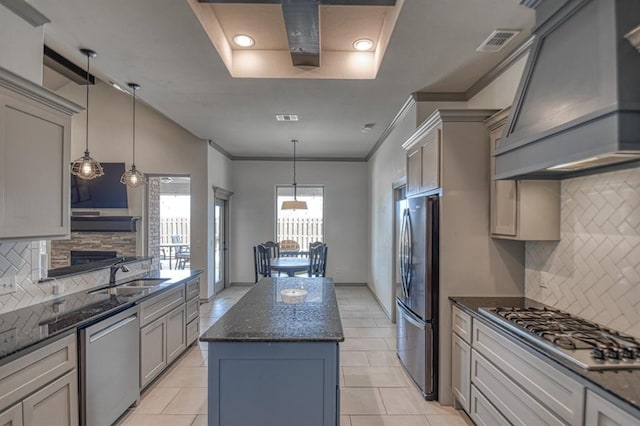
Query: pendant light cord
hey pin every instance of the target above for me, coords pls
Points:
(87, 134)
(295, 198)
(134, 126)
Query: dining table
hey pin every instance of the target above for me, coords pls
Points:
(290, 265)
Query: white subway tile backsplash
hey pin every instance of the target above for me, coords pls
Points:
(594, 270)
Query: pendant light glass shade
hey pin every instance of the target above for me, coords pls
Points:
(133, 177)
(86, 167)
(295, 204)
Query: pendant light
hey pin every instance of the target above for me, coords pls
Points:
(133, 177)
(86, 167)
(295, 204)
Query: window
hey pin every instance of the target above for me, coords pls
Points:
(301, 226)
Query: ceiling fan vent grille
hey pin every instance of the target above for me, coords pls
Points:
(497, 40)
(286, 117)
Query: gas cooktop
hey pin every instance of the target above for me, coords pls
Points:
(583, 342)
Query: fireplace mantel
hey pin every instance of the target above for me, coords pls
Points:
(104, 223)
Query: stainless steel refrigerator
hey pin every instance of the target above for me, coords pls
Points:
(417, 292)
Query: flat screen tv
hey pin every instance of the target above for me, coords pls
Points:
(104, 192)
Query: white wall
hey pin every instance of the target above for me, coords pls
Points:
(500, 92)
(162, 147)
(21, 46)
(252, 213)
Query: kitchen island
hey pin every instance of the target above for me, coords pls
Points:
(273, 357)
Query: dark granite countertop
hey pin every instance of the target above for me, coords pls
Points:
(262, 316)
(623, 385)
(29, 328)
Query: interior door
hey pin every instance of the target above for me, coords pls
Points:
(220, 248)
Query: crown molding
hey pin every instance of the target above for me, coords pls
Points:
(298, 159)
(220, 149)
(440, 97)
(26, 12)
(409, 103)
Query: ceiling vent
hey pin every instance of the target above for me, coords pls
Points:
(287, 117)
(497, 40)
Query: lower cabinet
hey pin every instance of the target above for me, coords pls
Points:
(482, 412)
(460, 369)
(600, 412)
(12, 416)
(153, 354)
(161, 342)
(176, 333)
(41, 387)
(55, 404)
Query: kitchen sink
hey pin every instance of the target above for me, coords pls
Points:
(144, 282)
(119, 291)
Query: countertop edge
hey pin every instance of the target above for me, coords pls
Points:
(595, 387)
(72, 328)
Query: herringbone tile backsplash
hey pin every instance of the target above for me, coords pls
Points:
(594, 270)
(22, 260)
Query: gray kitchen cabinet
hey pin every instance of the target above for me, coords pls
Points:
(526, 210)
(423, 161)
(55, 404)
(176, 333)
(44, 384)
(169, 322)
(35, 138)
(192, 305)
(600, 412)
(482, 412)
(12, 416)
(460, 371)
(153, 350)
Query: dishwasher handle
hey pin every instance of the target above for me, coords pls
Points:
(110, 329)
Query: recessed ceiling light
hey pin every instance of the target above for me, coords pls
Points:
(243, 40)
(367, 127)
(363, 44)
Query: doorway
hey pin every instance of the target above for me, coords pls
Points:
(219, 245)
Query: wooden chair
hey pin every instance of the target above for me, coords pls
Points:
(262, 261)
(289, 248)
(274, 248)
(318, 260)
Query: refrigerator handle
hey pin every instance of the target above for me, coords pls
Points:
(409, 253)
(404, 241)
(410, 316)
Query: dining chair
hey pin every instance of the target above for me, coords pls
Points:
(274, 248)
(262, 259)
(318, 260)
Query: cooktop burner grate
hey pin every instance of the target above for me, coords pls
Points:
(581, 341)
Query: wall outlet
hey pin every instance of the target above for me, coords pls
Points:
(545, 278)
(57, 288)
(7, 285)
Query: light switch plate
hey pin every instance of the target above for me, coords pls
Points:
(545, 277)
(7, 285)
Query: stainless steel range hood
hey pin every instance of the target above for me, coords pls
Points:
(578, 103)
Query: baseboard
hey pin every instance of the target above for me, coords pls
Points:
(350, 284)
(241, 284)
(386, 312)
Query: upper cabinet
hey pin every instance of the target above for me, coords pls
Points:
(521, 209)
(423, 161)
(35, 139)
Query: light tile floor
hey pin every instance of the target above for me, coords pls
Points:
(375, 389)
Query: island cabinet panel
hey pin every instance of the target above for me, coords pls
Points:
(12, 416)
(283, 383)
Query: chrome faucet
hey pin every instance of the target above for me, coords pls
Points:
(114, 270)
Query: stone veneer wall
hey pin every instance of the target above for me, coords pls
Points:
(22, 261)
(153, 190)
(124, 243)
(594, 270)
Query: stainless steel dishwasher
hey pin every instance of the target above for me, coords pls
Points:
(109, 368)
